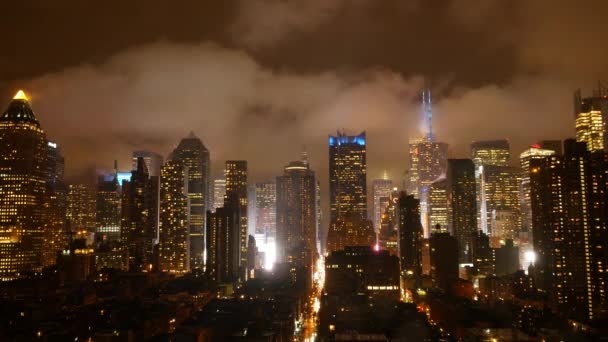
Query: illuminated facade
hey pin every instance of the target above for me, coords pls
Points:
(501, 200)
(350, 230)
(266, 217)
(219, 192)
(462, 205)
(23, 176)
(296, 215)
(108, 209)
(139, 224)
(362, 270)
(534, 152)
(173, 243)
(195, 157)
(591, 118)
(81, 207)
(55, 203)
(438, 206)
(388, 237)
(492, 152)
(569, 227)
(487, 153)
(347, 176)
(236, 188)
(427, 161)
(381, 188)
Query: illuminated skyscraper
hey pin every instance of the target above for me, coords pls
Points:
(296, 215)
(427, 160)
(492, 152)
(347, 176)
(139, 229)
(500, 200)
(381, 188)
(569, 225)
(219, 192)
(153, 162)
(55, 164)
(534, 152)
(388, 237)
(266, 208)
(81, 208)
(55, 203)
(236, 193)
(487, 153)
(410, 237)
(195, 157)
(173, 244)
(23, 176)
(438, 205)
(108, 209)
(591, 119)
(462, 206)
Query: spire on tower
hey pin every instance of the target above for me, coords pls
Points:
(428, 112)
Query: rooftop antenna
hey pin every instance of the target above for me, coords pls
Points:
(304, 155)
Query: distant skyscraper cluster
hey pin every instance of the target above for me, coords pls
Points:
(458, 222)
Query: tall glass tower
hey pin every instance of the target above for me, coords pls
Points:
(347, 176)
(195, 157)
(23, 176)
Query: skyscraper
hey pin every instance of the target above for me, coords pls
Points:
(219, 192)
(152, 160)
(55, 205)
(569, 225)
(23, 179)
(487, 153)
(444, 260)
(138, 228)
(236, 195)
(388, 237)
(427, 160)
(266, 208)
(107, 209)
(223, 241)
(195, 157)
(462, 218)
(501, 207)
(591, 119)
(347, 176)
(534, 152)
(381, 188)
(438, 205)
(296, 215)
(491, 152)
(173, 244)
(410, 237)
(81, 208)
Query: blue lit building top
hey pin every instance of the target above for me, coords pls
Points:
(123, 176)
(343, 139)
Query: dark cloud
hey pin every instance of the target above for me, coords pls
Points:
(262, 79)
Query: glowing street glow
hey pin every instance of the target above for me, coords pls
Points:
(530, 256)
(20, 96)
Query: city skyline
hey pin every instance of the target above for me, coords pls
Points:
(505, 79)
(304, 170)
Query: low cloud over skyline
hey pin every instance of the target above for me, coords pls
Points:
(262, 80)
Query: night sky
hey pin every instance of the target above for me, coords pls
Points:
(259, 80)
